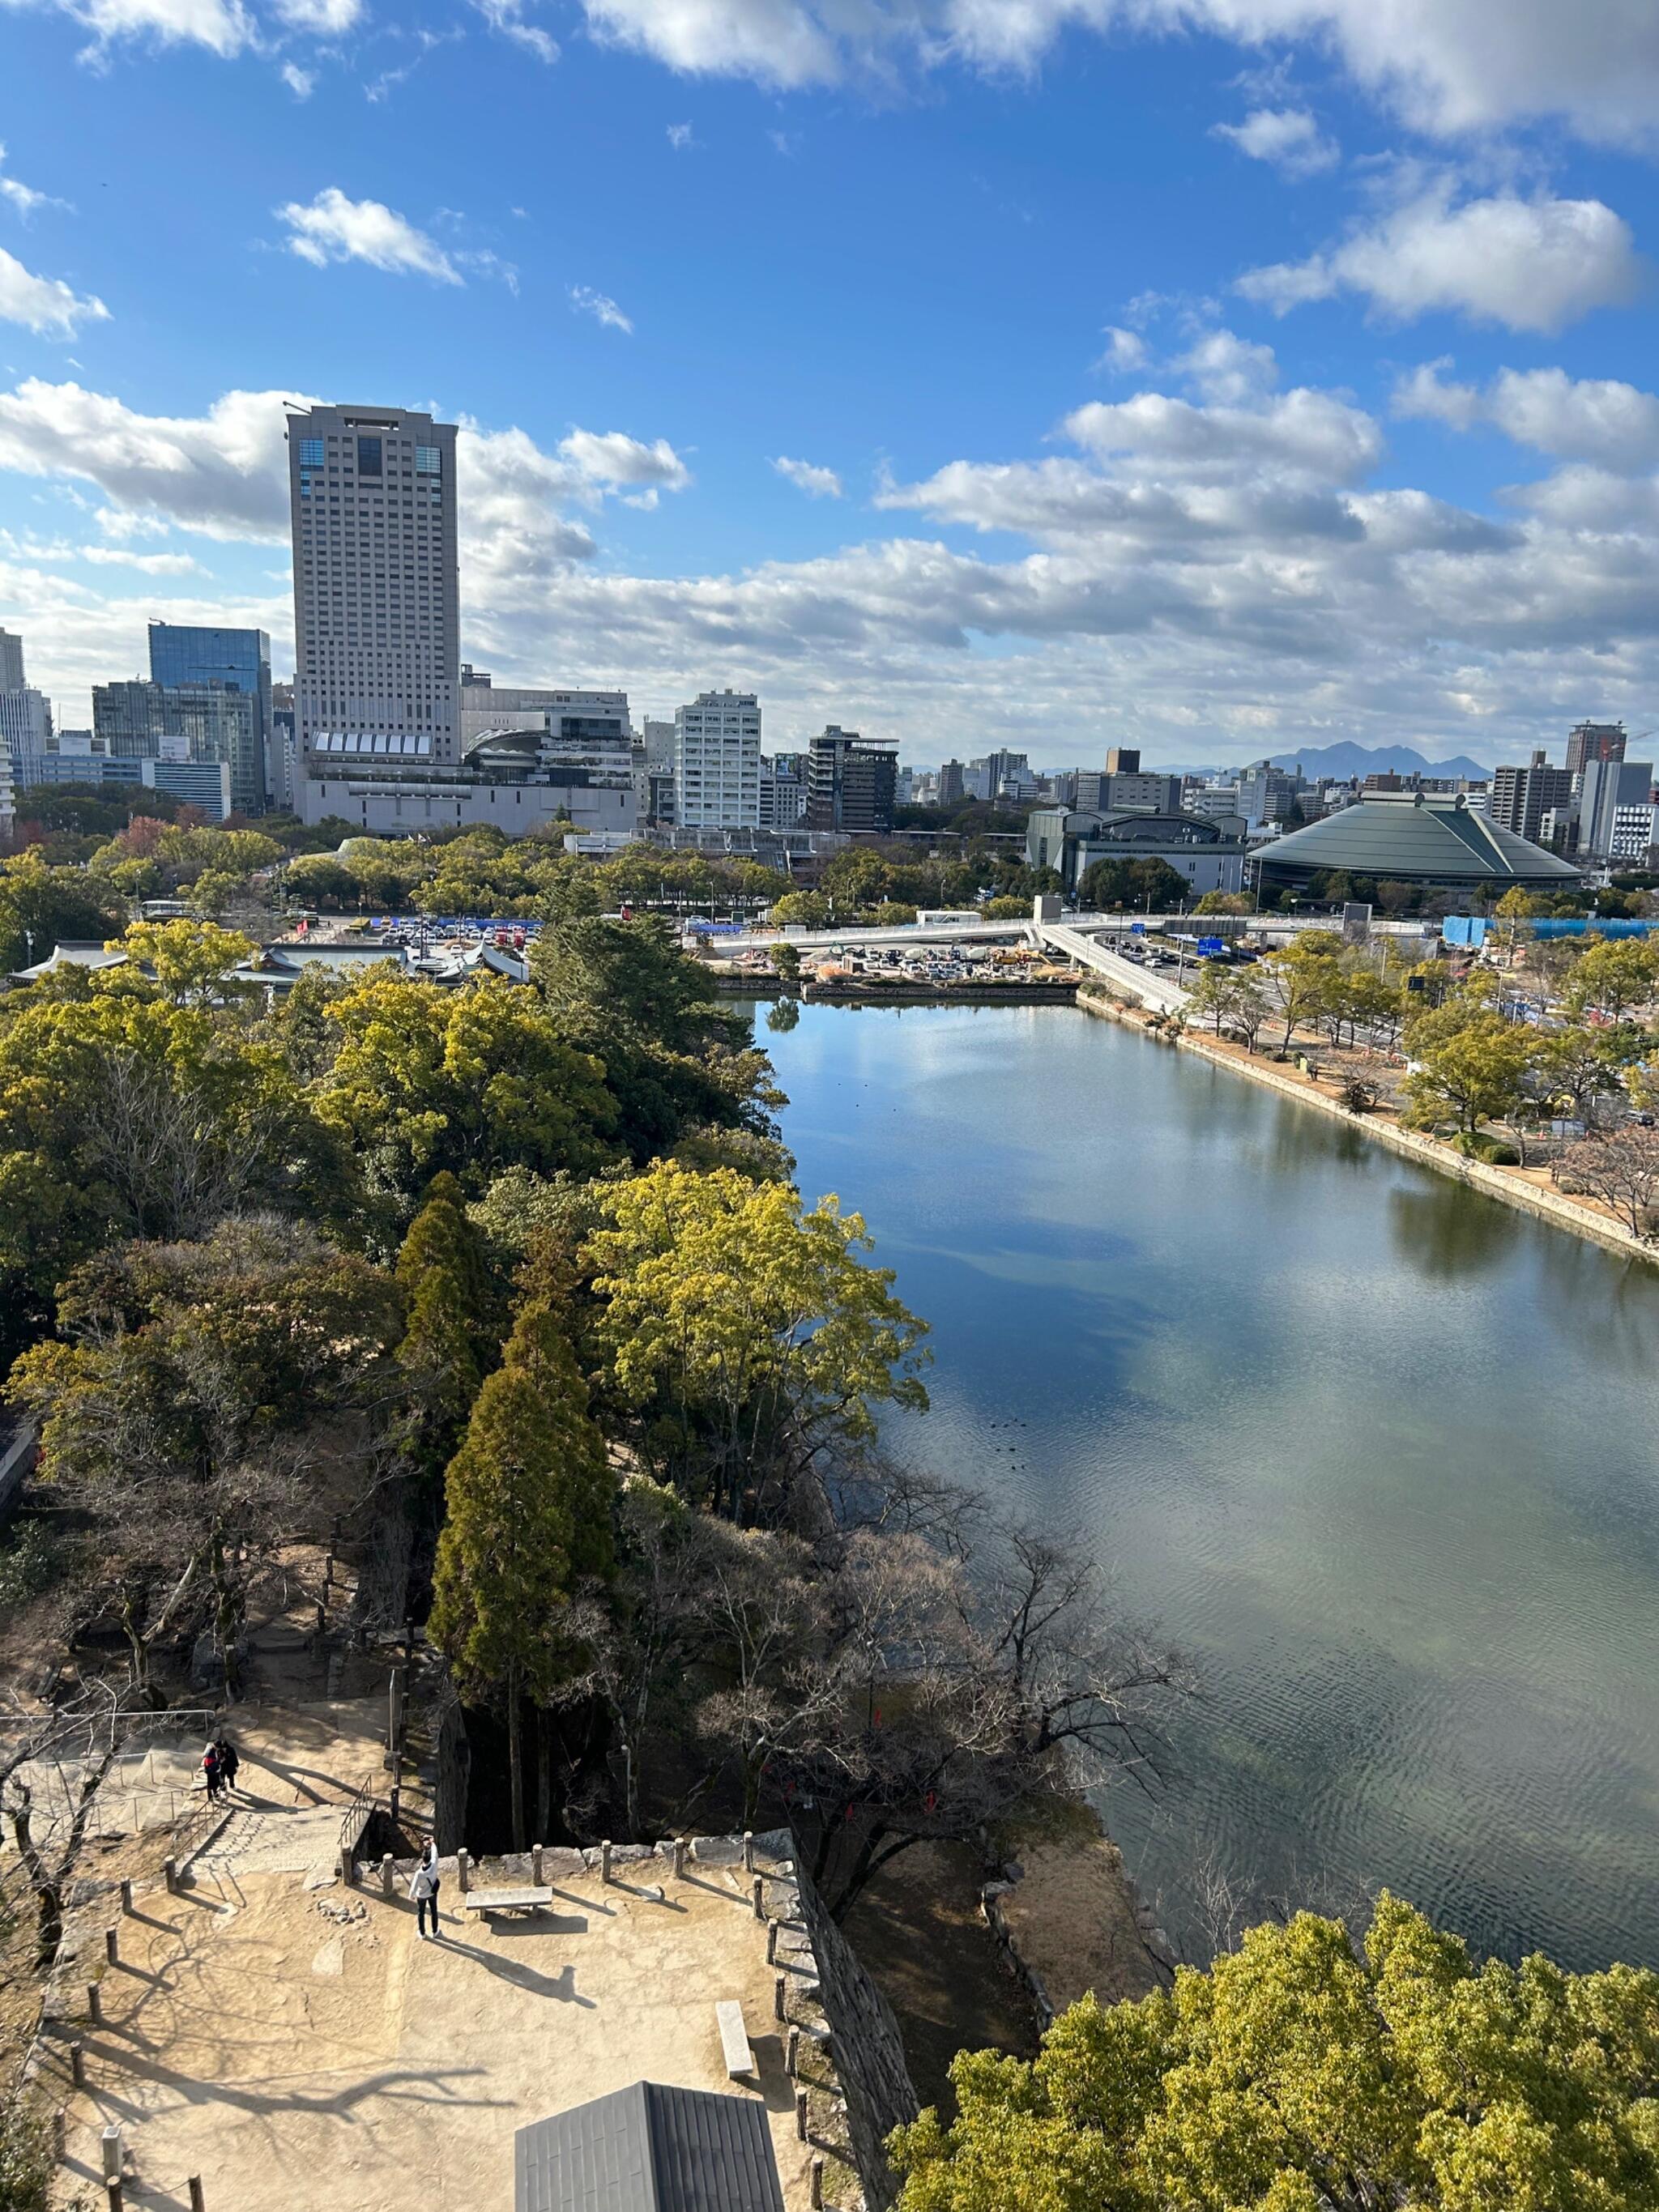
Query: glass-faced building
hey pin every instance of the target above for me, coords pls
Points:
(196, 661)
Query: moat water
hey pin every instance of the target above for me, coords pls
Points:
(1377, 1453)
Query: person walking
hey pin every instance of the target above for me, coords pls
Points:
(211, 1769)
(229, 1760)
(423, 1888)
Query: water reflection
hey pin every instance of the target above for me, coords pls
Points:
(1409, 1538)
(1435, 1236)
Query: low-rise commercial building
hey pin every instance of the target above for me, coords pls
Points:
(1209, 854)
(203, 784)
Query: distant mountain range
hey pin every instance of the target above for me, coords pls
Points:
(1345, 760)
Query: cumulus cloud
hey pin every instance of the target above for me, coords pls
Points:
(45, 305)
(224, 473)
(1229, 369)
(679, 136)
(587, 301)
(301, 83)
(1126, 351)
(1594, 419)
(1532, 264)
(332, 228)
(806, 476)
(1287, 139)
(1191, 571)
(1437, 63)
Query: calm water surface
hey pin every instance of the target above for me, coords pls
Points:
(1377, 1452)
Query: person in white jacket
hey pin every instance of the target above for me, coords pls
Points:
(423, 1887)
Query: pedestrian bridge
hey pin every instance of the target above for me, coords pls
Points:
(1145, 984)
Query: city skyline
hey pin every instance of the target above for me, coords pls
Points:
(1008, 378)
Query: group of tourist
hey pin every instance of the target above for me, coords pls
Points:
(220, 1761)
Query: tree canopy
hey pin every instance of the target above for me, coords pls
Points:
(751, 1326)
(1305, 2073)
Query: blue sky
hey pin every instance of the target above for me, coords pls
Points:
(1212, 377)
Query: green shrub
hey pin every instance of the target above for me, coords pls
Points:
(25, 2160)
(29, 1564)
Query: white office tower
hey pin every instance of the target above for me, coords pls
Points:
(376, 596)
(717, 772)
(25, 724)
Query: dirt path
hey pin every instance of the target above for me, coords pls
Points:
(919, 1930)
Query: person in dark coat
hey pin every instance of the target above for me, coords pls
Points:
(229, 1760)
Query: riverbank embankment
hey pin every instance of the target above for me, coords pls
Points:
(1527, 1188)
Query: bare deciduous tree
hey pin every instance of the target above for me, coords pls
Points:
(1622, 1171)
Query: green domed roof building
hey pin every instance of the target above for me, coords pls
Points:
(1409, 837)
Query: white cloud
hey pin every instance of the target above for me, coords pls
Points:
(1532, 264)
(225, 27)
(505, 17)
(1446, 66)
(1229, 369)
(679, 136)
(1126, 351)
(1577, 419)
(24, 197)
(1287, 138)
(301, 83)
(147, 564)
(587, 301)
(45, 305)
(806, 476)
(1190, 574)
(332, 228)
(224, 473)
(1427, 396)
(1304, 432)
(322, 19)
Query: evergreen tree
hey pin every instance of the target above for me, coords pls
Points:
(529, 1498)
(450, 1340)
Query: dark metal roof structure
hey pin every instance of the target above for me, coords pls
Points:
(649, 2150)
(1415, 838)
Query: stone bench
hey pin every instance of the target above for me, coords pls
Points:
(734, 2039)
(508, 1900)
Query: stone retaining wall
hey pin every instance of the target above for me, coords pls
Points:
(1551, 1206)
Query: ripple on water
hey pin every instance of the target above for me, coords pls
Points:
(1376, 1451)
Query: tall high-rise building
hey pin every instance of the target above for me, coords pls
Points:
(850, 782)
(186, 658)
(951, 788)
(717, 770)
(1520, 797)
(25, 715)
(1123, 760)
(376, 595)
(1594, 741)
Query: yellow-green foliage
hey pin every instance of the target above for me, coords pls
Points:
(1301, 2075)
